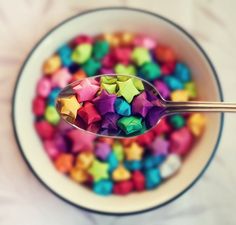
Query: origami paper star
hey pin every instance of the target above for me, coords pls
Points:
(81, 141)
(121, 173)
(125, 69)
(122, 107)
(130, 124)
(109, 121)
(141, 105)
(138, 84)
(88, 113)
(104, 103)
(108, 79)
(61, 78)
(110, 88)
(153, 116)
(127, 90)
(86, 90)
(160, 146)
(134, 152)
(84, 160)
(69, 106)
(102, 150)
(94, 127)
(99, 170)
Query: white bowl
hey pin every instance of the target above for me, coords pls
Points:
(111, 20)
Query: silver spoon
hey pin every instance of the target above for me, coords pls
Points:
(160, 107)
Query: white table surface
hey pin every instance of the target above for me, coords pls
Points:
(23, 200)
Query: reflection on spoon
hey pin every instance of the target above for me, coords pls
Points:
(121, 105)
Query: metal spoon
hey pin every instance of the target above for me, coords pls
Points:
(161, 107)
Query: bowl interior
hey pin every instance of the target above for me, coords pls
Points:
(110, 21)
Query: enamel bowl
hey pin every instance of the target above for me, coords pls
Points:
(111, 20)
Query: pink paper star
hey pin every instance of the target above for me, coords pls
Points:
(86, 90)
(81, 141)
(61, 78)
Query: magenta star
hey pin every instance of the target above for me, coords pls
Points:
(81, 141)
(141, 105)
(104, 103)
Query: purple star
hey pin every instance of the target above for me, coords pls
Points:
(151, 96)
(160, 146)
(162, 89)
(104, 103)
(110, 121)
(102, 150)
(141, 105)
(153, 116)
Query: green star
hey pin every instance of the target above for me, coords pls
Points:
(130, 124)
(99, 170)
(127, 89)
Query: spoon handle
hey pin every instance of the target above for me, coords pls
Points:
(199, 106)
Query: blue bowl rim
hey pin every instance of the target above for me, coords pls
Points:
(128, 9)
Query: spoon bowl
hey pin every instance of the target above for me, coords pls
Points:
(122, 106)
(111, 105)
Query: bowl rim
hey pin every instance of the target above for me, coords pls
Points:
(180, 28)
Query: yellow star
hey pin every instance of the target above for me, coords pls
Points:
(84, 160)
(121, 173)
(127, 90)
(69, 106)
(134, 152)
(78, 175)
(99, 170)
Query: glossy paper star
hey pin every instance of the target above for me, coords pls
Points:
(141, 105)
(104, 103)
(160, 146)
(127, 90)
(81, 141)
(86, 90)
(130, 124)
(102, 150)
(134, 152)
(121, 173)
(61, 78)
(69, 106)
(88, 113)
(109, 121)
(110, 88)
(99, 170)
